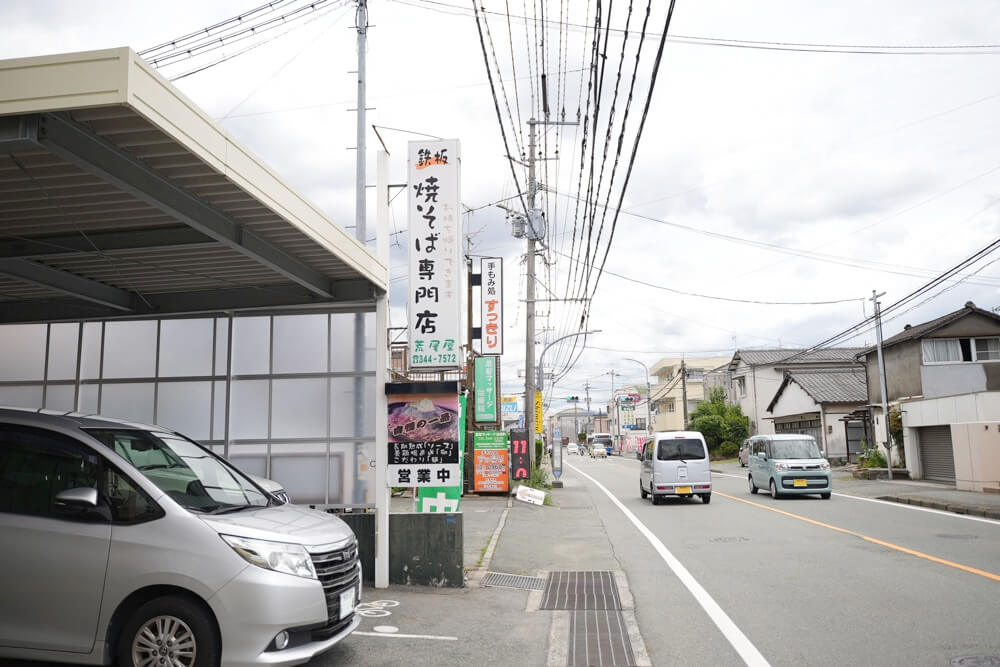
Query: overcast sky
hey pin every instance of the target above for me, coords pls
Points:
(887, 163)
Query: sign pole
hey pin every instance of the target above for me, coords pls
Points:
(382, 491)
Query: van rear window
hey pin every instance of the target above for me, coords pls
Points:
(679, 449)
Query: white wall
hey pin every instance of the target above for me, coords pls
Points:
(977, 455)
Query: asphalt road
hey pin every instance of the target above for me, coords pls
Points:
(800, 580)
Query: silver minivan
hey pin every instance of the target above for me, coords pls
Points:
(130, 542)
(788, 464)
(675, 463)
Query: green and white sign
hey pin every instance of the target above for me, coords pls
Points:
(487, 399)
(446, 498)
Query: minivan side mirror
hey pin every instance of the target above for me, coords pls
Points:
(80, 499)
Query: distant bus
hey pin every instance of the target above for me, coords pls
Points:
(601, 440)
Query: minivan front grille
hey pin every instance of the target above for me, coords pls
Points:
(337, 571)
(803, 466)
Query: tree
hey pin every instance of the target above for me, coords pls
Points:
(720, 423)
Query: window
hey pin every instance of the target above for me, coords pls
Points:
(35, 465)
(129, 503)
(741, 386)
(670, 405)
(680, 449)
(988, 349)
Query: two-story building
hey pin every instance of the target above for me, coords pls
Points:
(944, 378)
(672, 386)
(755, 376)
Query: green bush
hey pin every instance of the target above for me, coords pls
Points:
(539, 450)
(539, 479)
(728, 449)
(872, 458)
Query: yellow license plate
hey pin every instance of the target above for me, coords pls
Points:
(800, 483)
(683, 489)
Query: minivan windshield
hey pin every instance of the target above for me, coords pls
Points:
(187, 472)
(795, 449)
(680, 449)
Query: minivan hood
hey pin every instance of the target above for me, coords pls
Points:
(283, 523)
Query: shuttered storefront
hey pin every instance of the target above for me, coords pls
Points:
(937, 458)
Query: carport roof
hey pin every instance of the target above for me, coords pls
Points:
(121, 198)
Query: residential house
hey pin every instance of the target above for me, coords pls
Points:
(567, 423)
(756, 374)
(828, 404)
(944, 377)
(672, 386)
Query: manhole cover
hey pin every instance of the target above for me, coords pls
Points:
(957, 536)
(729, 540)
(976, 661)
(501, 580)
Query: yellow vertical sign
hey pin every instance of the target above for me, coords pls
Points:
(538, 412)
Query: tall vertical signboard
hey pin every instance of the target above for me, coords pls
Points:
(490, 461)
(486, 390)
(491, 304)
(435, 261)
(520, 459)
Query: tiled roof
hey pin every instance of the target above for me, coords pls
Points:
(769, 357)
(920, 330)
(833, 385)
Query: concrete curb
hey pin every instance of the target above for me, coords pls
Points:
(984, 511)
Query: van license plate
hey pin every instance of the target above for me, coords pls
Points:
(683, 489)
(347, 603)
(800, 483)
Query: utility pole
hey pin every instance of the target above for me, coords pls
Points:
(882, 382)
(360, 222)
(614, 401)
(684, 392)
(590, 418)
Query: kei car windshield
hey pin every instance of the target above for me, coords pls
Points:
(795, 449)
(190, 474)
(680, 449)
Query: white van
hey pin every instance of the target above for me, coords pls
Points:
(675, 463)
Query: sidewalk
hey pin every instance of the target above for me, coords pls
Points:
(909, 492)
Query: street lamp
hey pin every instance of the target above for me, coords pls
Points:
(649, 397)
(540, 382)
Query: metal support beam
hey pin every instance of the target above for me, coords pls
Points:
(18, 133)
(75, 143)
(68, 283)
(160, 238)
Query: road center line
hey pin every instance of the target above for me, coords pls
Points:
(739, 641)
(889, 503)
(887, 545)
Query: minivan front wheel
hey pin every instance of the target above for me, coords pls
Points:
(169, 630)
(774, 489)
(753, 487)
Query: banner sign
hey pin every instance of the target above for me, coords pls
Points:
(491, 461)
(520, 459)
(538, 412)
(491, 304)
(508, 405)
(435, 219)
(486, 389)
(423, 439)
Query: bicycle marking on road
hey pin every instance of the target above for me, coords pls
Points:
(873, 540)
(739, 641)
(890, 503)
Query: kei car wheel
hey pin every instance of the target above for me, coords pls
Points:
(753, 487)
(826, 496)
(774, 489)
(642, 491)
(169, 630)
(706, 498)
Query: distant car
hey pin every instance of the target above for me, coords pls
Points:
(572, 448)
(744, 453)
(598, 452)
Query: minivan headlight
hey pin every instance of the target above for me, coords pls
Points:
(277, 556)
(781, 466)
(824, 465)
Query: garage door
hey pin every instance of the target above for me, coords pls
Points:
(937, 457)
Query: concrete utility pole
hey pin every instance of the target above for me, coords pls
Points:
(614, 401)
(360, 218)
(882, 382)
(590, 418)
(684, 392)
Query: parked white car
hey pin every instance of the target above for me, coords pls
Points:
(572, 448)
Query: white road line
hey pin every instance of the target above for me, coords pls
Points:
(398, 636)
(890, 503)
(739, 641)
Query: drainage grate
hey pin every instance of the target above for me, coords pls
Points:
(599, 638)
(501, 580)
(577, 591)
